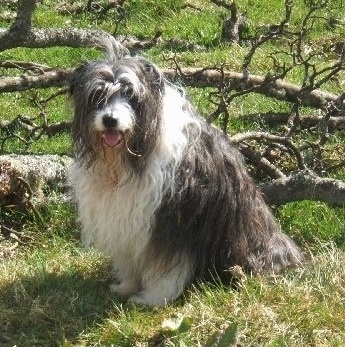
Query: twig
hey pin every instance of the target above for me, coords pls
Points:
(26, 184)
(260, 162)
(25, 66)
(261, 136)
(12, 248)
(14, 234)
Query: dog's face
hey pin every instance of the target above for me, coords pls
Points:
(117, 110)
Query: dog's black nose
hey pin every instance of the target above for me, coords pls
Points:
(109, 122)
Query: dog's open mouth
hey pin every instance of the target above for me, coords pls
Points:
(112, 137)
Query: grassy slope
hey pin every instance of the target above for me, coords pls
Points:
(54, 293)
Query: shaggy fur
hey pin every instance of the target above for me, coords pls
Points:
(161, 191)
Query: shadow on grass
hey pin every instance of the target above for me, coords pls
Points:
(51, 309)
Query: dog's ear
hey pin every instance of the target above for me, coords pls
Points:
(74, 80)
(152, 71)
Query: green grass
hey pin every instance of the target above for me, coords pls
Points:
(58, 294)
(55, 293)
(315, 221)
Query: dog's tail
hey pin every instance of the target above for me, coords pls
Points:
(283, 253)
(261, 245)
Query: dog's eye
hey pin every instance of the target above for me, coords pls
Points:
(98, 98)
(127, 91)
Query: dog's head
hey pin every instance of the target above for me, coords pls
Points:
(117, 110)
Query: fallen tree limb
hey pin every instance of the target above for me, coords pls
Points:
(23, 34)
(198, 78)
(277, 89)
(39, 172)
(260, 162)
(305, 186)
(305, 121)
(262, 136)
(50, 171)
(56, 78)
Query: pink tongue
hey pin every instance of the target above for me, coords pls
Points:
(112, 137)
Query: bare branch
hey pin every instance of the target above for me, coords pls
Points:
(38, 172)
(24, 65)
(49, 37)
(23, 20)
(260, 136)
(22, 34)
(56, 78)
(305, 186)
(260, 162)
(305, 121)
(57, 128)
(49, 170)
(275, 88)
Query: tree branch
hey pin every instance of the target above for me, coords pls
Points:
(260, 162)
(56, 78)
(305, 121)
(23, 21)
(49, 37)
(262, 136)
(277, 89)
(39, 172)
(22, 34)
(201, 78)
(305, 186)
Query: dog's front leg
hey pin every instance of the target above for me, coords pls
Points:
(161, 287)
(125, 289)
(126, 283)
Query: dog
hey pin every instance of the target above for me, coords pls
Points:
(161, 191)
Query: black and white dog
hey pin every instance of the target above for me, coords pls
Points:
(161, 191)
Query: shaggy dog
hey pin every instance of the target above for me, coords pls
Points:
(162, 192)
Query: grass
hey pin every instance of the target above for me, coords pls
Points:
(58, 295)
(315, 221)
(54, 293)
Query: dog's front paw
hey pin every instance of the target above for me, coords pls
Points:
(124, 289)
(137, 299)
(148, 300)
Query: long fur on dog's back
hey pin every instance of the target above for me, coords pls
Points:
(217, 215)
(172, 202)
